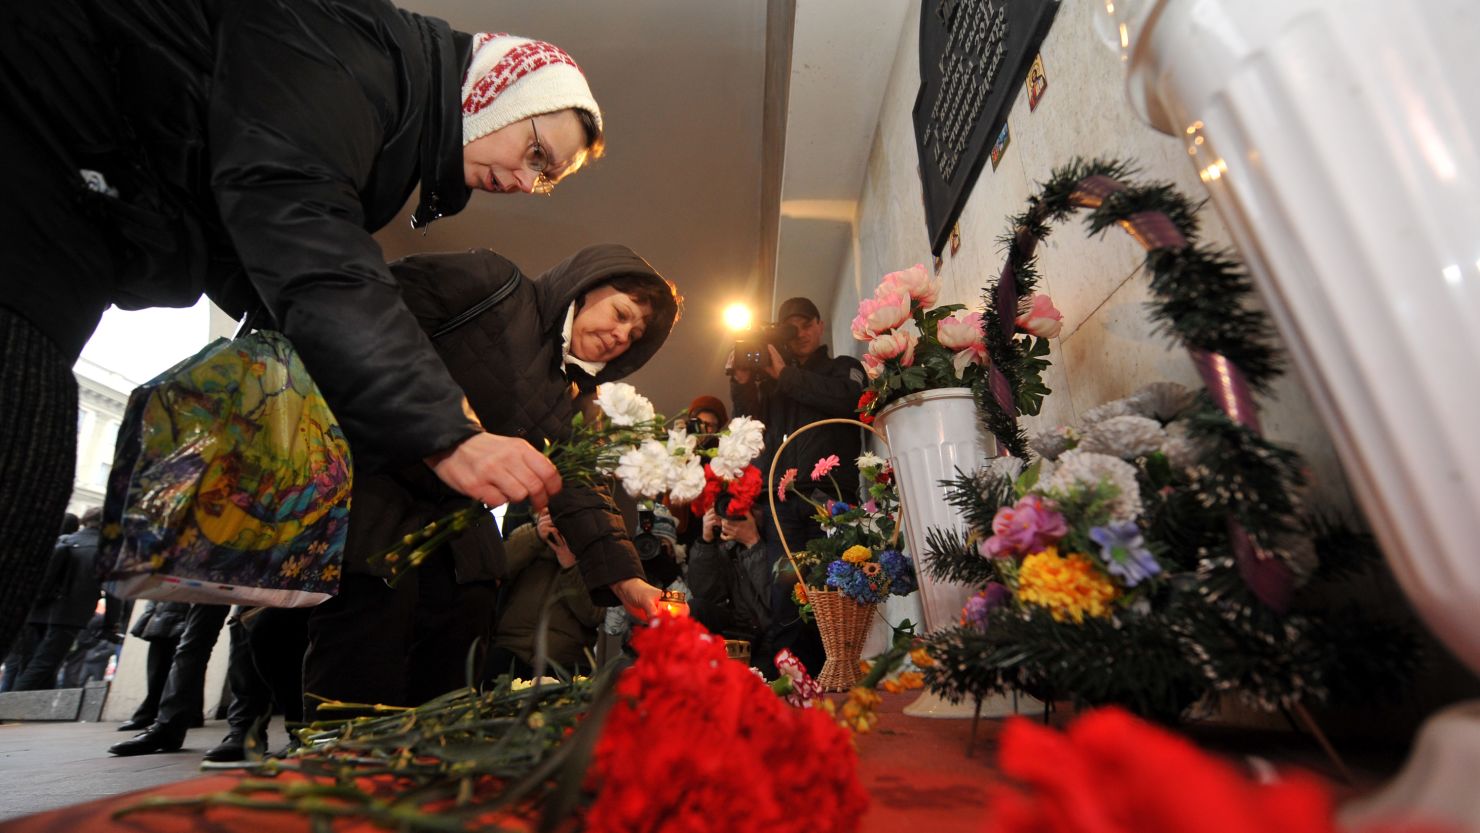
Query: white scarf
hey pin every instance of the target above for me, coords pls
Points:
(592, 368)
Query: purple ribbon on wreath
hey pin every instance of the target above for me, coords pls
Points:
(1269, 579)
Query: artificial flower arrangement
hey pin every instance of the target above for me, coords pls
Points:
(914, 346)
(629, 440)
(857, 555)
(1105, 576)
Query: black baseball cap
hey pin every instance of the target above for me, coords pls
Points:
(797, 306)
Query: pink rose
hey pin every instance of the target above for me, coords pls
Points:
(961, 331)
(881, 313)
(1041, 319)
(872, 365)
(860, 325)
(914, 282)
(1029, 526)
(899, 344)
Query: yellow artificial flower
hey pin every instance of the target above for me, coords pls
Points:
(857, 554)
(1070, 588)
(921, 658)
(892, 686)
(911, 680)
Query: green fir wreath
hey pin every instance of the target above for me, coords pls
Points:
(1230, 611)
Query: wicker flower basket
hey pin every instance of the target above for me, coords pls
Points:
(844, 625)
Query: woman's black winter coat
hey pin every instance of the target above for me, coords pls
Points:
(509, 361)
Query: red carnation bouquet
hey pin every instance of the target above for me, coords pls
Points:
(732, 498)
(696, 741)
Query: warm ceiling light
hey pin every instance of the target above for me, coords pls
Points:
(737, 317)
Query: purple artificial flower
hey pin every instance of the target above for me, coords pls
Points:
(993, 596)
(1124, 552)
(1031, 525)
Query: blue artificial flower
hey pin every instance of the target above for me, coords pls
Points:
(900, 570)
(851, 581)
(1124, 552)
(839, 508)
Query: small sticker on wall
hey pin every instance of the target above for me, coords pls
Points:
(955, 239)
(999, 147)
(1037, 82)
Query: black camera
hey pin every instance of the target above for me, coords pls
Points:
(655, 551)
(722, 507)
(750, 351)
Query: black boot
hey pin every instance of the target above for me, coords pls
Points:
(157, 738)
(233, 747)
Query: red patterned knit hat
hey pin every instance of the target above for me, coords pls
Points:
(513, 78)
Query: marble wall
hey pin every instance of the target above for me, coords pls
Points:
(1107, 348)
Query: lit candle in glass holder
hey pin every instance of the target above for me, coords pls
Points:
(674, 603)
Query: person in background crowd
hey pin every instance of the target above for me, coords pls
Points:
(729, 574)
(707, 416)
(787, 392)
(540, 574)
(249, 150)
(662, 560)
(529, 363)
(88, 659)
(161, 625)
(24, 645)
(65, 602)
(184, 688)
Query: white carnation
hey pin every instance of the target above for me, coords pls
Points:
(1100, 413)
(1162, 400)
(1179, 447)
(681, 443)
(622, 404)
(1126, 437)
(1053, 442)
(739, 443)
(868, 460)
(1085, 468)
(648, 470)
(689, 482)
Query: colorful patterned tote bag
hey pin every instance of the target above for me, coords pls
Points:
(230, 483)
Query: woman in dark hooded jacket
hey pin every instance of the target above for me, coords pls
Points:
(158, 149)
(529, 354)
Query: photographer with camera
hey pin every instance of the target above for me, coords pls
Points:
(787, 379)
(729, 575)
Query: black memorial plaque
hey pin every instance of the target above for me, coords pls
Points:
(974, 55)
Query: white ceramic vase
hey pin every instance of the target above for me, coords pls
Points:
(1340, 140)
(932, 434)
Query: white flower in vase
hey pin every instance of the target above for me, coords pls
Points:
(623, 405)
(869, 460)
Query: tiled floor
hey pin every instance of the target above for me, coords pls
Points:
(49, 765)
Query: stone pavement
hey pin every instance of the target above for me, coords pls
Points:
(49, 765)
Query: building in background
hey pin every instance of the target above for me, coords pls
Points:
(101, 397)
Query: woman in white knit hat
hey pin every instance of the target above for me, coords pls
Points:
(156, 150)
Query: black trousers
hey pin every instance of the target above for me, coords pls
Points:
(46, 660)
(184, 689)
(400, 646)
(157, 667)
(279, 640)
